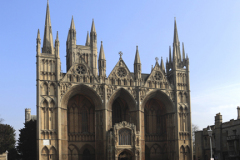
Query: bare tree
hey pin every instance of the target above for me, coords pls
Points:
(194, 129)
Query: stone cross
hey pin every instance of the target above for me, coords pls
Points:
(156, 59)
(120, 53)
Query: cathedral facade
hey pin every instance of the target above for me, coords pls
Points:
(84, 115)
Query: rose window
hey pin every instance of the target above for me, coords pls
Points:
(81, 69)
(157, 76)
(122, 72)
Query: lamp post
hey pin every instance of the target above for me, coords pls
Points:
(210, 135)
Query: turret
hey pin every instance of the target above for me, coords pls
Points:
(71, 45)
(162, 65)
(38, 47)
(102, 63)
(48, 39)
(137, 65)
(57, 46)
(87, 40)
(27, 114)
(93, 35)
(72, 33)
(93, 45)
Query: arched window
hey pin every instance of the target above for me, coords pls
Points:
(116, 115)
(84, 120)
(124, 137)
(86, 155)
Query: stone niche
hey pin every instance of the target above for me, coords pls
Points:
(123, 142)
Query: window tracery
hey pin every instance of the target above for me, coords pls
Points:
(124, 137)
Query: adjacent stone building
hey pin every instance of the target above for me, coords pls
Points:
(225, 140)
(84, 115)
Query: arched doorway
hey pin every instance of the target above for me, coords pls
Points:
(125, 155)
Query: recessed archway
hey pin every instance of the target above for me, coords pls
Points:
(125, 155)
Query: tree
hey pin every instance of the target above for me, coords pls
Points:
(7, 138)
(194, 129)
(27, 142)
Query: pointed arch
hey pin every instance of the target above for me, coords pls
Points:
(44, 114)
(53, 153)
(160, 95)
(182, 153)
(52, 89)
(45, 153)
(84, 90)
(73, 152)
(44, 88)
(124, 94)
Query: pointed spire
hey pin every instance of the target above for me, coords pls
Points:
(87, 40)
(162, 65)
(72, 24)
(93, 26)
(38, 34)
(101, 54)
(57, 37)
(48, 39)
(137, 57)
(175, 39)
(170, 55)
(183, 51)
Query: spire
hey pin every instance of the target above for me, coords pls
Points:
(57, 37)
(101, 54)
(137, 57)
(170, 54)
(38, 34)
(72, 24)
(175, 39)
(87, 40)
(48, 39)
(93, 26)
(162, 65)
(183, 51)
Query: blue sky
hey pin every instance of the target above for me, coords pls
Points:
(210, 31)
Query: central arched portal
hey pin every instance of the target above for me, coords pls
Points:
(125, 155)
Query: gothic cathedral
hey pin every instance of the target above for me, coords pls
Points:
(84, 115)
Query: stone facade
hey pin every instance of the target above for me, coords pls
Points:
(84, 115)
(225, 140)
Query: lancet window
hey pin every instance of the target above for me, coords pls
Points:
(124, 137)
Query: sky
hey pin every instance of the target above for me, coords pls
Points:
(210, 31)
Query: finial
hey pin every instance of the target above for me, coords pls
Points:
(137, 47)
(101, 42)
(156, 59)
(120, 53)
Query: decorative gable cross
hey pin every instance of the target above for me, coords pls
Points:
(120, 53)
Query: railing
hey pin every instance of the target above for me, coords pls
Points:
(83, 137)
(154, 137)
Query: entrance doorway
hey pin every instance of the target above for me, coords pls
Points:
(125, 156)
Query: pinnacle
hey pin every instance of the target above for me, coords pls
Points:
(93, 26)
(38, 34)
(102, 54)
(87, 40)
(175, 39)
(137, 57)
(72, 24)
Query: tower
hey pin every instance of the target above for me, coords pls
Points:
(84, 114)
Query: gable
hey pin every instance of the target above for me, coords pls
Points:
(120, 75)
(80, 72)
(157, 79)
